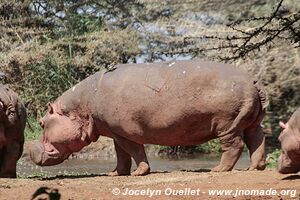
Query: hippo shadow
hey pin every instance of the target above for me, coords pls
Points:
(46, 193)
(291, 177)
(84, 176)
(196, 170)
(103, 175)
(159, 172)
(68, 176)
(207, 170)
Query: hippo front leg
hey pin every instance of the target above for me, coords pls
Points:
(136, 151)
(2, 137)
(123, 162)
(10, 155)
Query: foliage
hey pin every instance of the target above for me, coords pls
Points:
(34, 175)
(74, 17)
(45, 81)
(272, 158)
(32, 130)
(212, 146)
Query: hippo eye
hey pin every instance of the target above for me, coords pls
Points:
(11, 112)
(60, 114)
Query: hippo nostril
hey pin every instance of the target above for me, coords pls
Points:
(41, 123)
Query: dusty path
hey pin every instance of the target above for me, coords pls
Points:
(101, 187)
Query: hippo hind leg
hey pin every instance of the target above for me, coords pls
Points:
(255, 141)
(136, 151)
(232, 146)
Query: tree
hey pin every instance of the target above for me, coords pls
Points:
(281, 24)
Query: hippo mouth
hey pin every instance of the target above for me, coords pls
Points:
(41, 157)
(289, 168)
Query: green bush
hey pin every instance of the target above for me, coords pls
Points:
(32, 130)
(272, 158)
(43, 82)
(212, 146)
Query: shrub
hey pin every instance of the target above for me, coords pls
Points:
(43, 82)
(272, 158)
(32, 130)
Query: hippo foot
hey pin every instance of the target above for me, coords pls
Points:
(142, 169)
(221, 168)
(260, 166)
(8, 175)
(119, 173)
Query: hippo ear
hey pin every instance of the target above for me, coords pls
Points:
(50, 108)
(283, 125)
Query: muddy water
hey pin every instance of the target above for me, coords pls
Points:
(104, 165)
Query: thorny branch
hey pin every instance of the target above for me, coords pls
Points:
(274, 26)
(241, 41)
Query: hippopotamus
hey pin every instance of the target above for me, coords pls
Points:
(12, 125)
(289, 160)
(168, 103)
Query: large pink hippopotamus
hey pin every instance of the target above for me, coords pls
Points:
(289, 160)
(170, 103)
(12, 125)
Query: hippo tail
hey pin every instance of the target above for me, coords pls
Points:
(264, 100)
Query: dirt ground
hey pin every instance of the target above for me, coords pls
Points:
(161, 183)
(182, 184)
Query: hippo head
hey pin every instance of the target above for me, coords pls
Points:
(289, 160)
(63, 133)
